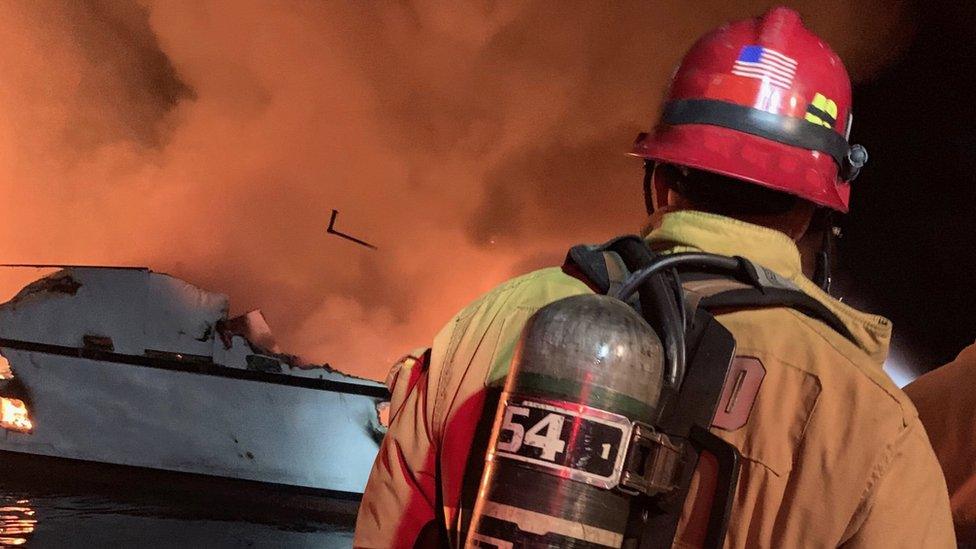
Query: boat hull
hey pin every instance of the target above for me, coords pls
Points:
(166, 417)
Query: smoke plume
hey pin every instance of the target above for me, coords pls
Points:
(469, 141)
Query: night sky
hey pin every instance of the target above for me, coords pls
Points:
(910, 247)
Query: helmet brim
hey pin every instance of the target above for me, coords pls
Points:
(810, 175)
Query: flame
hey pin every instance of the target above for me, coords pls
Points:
(383, 414)
(5, 371)
(470, 141)
(14, 416)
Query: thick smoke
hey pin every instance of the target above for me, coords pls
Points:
(469, 141)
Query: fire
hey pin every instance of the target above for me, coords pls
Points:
(383, 414)
(214, 148)
(5, 372)
(14, 416)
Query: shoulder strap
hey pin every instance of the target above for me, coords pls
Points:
(604, 267)
(753, 298)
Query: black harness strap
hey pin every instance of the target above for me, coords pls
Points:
(657, 303)
(601, 264)
(762, 288)
(702, 349)
(679, 307)
(752, 298)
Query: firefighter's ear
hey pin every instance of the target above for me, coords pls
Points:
(656, 187)
(662, 194)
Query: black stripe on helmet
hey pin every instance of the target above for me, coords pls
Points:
(782, 129)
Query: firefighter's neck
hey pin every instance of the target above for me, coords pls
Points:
(811, 244)
(794, 224)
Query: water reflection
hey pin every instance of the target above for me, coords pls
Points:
(16, 522)
(44, 519)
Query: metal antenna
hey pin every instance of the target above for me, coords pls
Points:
(332, 230)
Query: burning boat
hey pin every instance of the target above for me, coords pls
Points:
(138, 370)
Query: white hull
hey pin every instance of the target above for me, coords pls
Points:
(140, 416)
(136, 368)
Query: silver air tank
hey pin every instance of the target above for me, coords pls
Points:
(584, 385)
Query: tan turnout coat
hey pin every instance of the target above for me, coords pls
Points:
(834, 454)
(946, 401)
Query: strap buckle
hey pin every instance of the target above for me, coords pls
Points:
(652, 462)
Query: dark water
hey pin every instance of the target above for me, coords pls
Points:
(41, 515)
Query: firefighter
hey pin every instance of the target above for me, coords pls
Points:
(750, 150)
(948, 415)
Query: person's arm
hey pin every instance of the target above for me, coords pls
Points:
(946, 407)
(906, 503)
(399, 501)
(472, 351)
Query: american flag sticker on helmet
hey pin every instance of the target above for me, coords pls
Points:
(766, 65)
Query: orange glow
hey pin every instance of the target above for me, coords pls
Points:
(383, 414)
(470, 141)
(17, 522)
(5, 372)
(14, 416)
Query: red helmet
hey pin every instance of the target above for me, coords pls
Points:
(766, 101)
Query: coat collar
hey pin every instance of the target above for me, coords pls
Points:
(689, 230)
